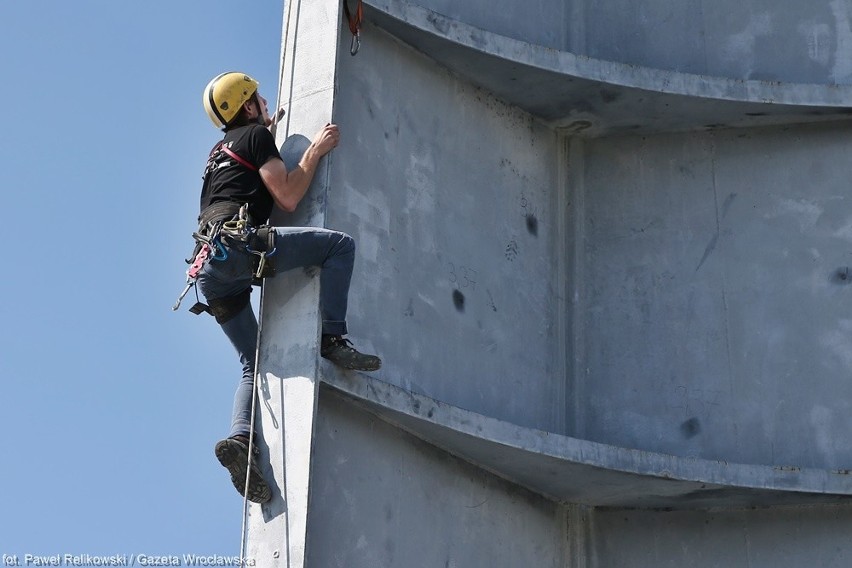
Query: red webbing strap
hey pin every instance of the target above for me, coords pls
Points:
(235, 156)
(354, 23)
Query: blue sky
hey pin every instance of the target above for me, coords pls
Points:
(111, 403)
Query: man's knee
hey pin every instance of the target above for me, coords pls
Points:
(346, 244)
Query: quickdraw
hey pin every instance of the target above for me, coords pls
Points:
(354, 24)
(263, 254)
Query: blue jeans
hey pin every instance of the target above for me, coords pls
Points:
(296, 247)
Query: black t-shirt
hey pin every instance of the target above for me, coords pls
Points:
(225, 179)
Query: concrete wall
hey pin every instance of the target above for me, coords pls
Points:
(758, 538)
(798, 42)
(714, 294)
(381, 497)
(681, 293)
(788, 41)
(703, 272)
(450, 195)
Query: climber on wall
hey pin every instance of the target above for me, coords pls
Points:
(244, 177)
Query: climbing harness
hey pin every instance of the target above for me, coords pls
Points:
(231, 222)
(354, 24)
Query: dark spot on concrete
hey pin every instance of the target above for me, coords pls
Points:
(609, 96)
(416, 406)
(409, 311)
(690, 428)
(532, 224)
(727, 204)
(755, 114)
(431, 413)
(842, 276)
(458, 300)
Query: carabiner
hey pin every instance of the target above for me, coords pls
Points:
(356, 44)
(261, 252)
(221, 253)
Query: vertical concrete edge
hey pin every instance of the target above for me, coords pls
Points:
(288, 372)
(562, 286)
(578, 536)
(573, 189)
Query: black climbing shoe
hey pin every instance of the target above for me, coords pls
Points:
(339, 351)
(233, 454)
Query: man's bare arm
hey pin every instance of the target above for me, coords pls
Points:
(288, 188)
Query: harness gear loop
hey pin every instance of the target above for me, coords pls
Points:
(238, 227)
(354, 24)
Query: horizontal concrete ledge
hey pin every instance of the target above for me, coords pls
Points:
(601, 97)
(570, 470)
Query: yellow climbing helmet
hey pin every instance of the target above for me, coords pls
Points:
(225, 94)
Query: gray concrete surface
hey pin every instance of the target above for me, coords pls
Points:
(719, 262)
(287, 369)
(456, 222)
(381, 497)
(567, 249)
(788, 41)
(570, 470)
(600, 96)
(742, 538)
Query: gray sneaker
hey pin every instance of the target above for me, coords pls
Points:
(339, 351)
(233, 454)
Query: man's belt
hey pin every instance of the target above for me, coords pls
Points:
(222, 211)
